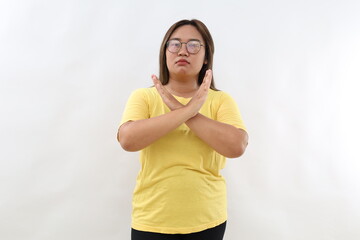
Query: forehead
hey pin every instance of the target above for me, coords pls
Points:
(187, 32)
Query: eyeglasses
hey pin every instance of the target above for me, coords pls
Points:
(192, 46)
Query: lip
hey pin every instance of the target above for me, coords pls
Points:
(182, 61)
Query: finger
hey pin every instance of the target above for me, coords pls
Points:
(159, 87)
(155, 79)
(207, 80)
(157, 83)
(207, 77)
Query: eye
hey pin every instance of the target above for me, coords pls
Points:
(193, 44)
(174, 43)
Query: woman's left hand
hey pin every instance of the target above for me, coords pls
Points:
(167, 97)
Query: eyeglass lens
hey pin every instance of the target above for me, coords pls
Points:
(174, 46)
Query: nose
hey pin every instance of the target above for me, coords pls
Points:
(183, 50)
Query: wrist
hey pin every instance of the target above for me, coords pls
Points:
(177, 107)
(192, 113)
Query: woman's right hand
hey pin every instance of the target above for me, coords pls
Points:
(167, 98)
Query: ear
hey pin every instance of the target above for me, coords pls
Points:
(205, 62)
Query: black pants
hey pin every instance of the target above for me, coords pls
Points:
(216, 233)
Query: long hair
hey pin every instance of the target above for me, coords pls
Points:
(209, 51)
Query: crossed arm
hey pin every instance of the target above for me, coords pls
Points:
(226, 139)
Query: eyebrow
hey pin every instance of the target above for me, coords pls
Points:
(192, 39)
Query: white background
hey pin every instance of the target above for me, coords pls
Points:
(68, 67)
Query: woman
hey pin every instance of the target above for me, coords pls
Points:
(184, 128)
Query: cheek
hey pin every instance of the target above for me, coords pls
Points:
(201, 61)
(168, 60)
(204, 59)
(168, 65)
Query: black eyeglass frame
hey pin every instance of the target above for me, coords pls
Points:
(187, 48)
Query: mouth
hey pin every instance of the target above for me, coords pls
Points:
(182, 61)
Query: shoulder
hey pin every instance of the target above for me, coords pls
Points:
(146, 93)
(219, 95)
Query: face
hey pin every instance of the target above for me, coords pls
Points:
(183, 63)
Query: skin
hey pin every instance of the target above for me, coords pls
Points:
(226, 139)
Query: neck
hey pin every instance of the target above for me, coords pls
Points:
(184, 87)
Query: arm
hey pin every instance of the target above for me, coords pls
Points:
(226, 139)
(136, 135)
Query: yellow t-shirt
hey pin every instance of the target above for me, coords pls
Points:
(179, 188)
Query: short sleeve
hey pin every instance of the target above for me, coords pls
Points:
(228, 112)
(137, 107)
